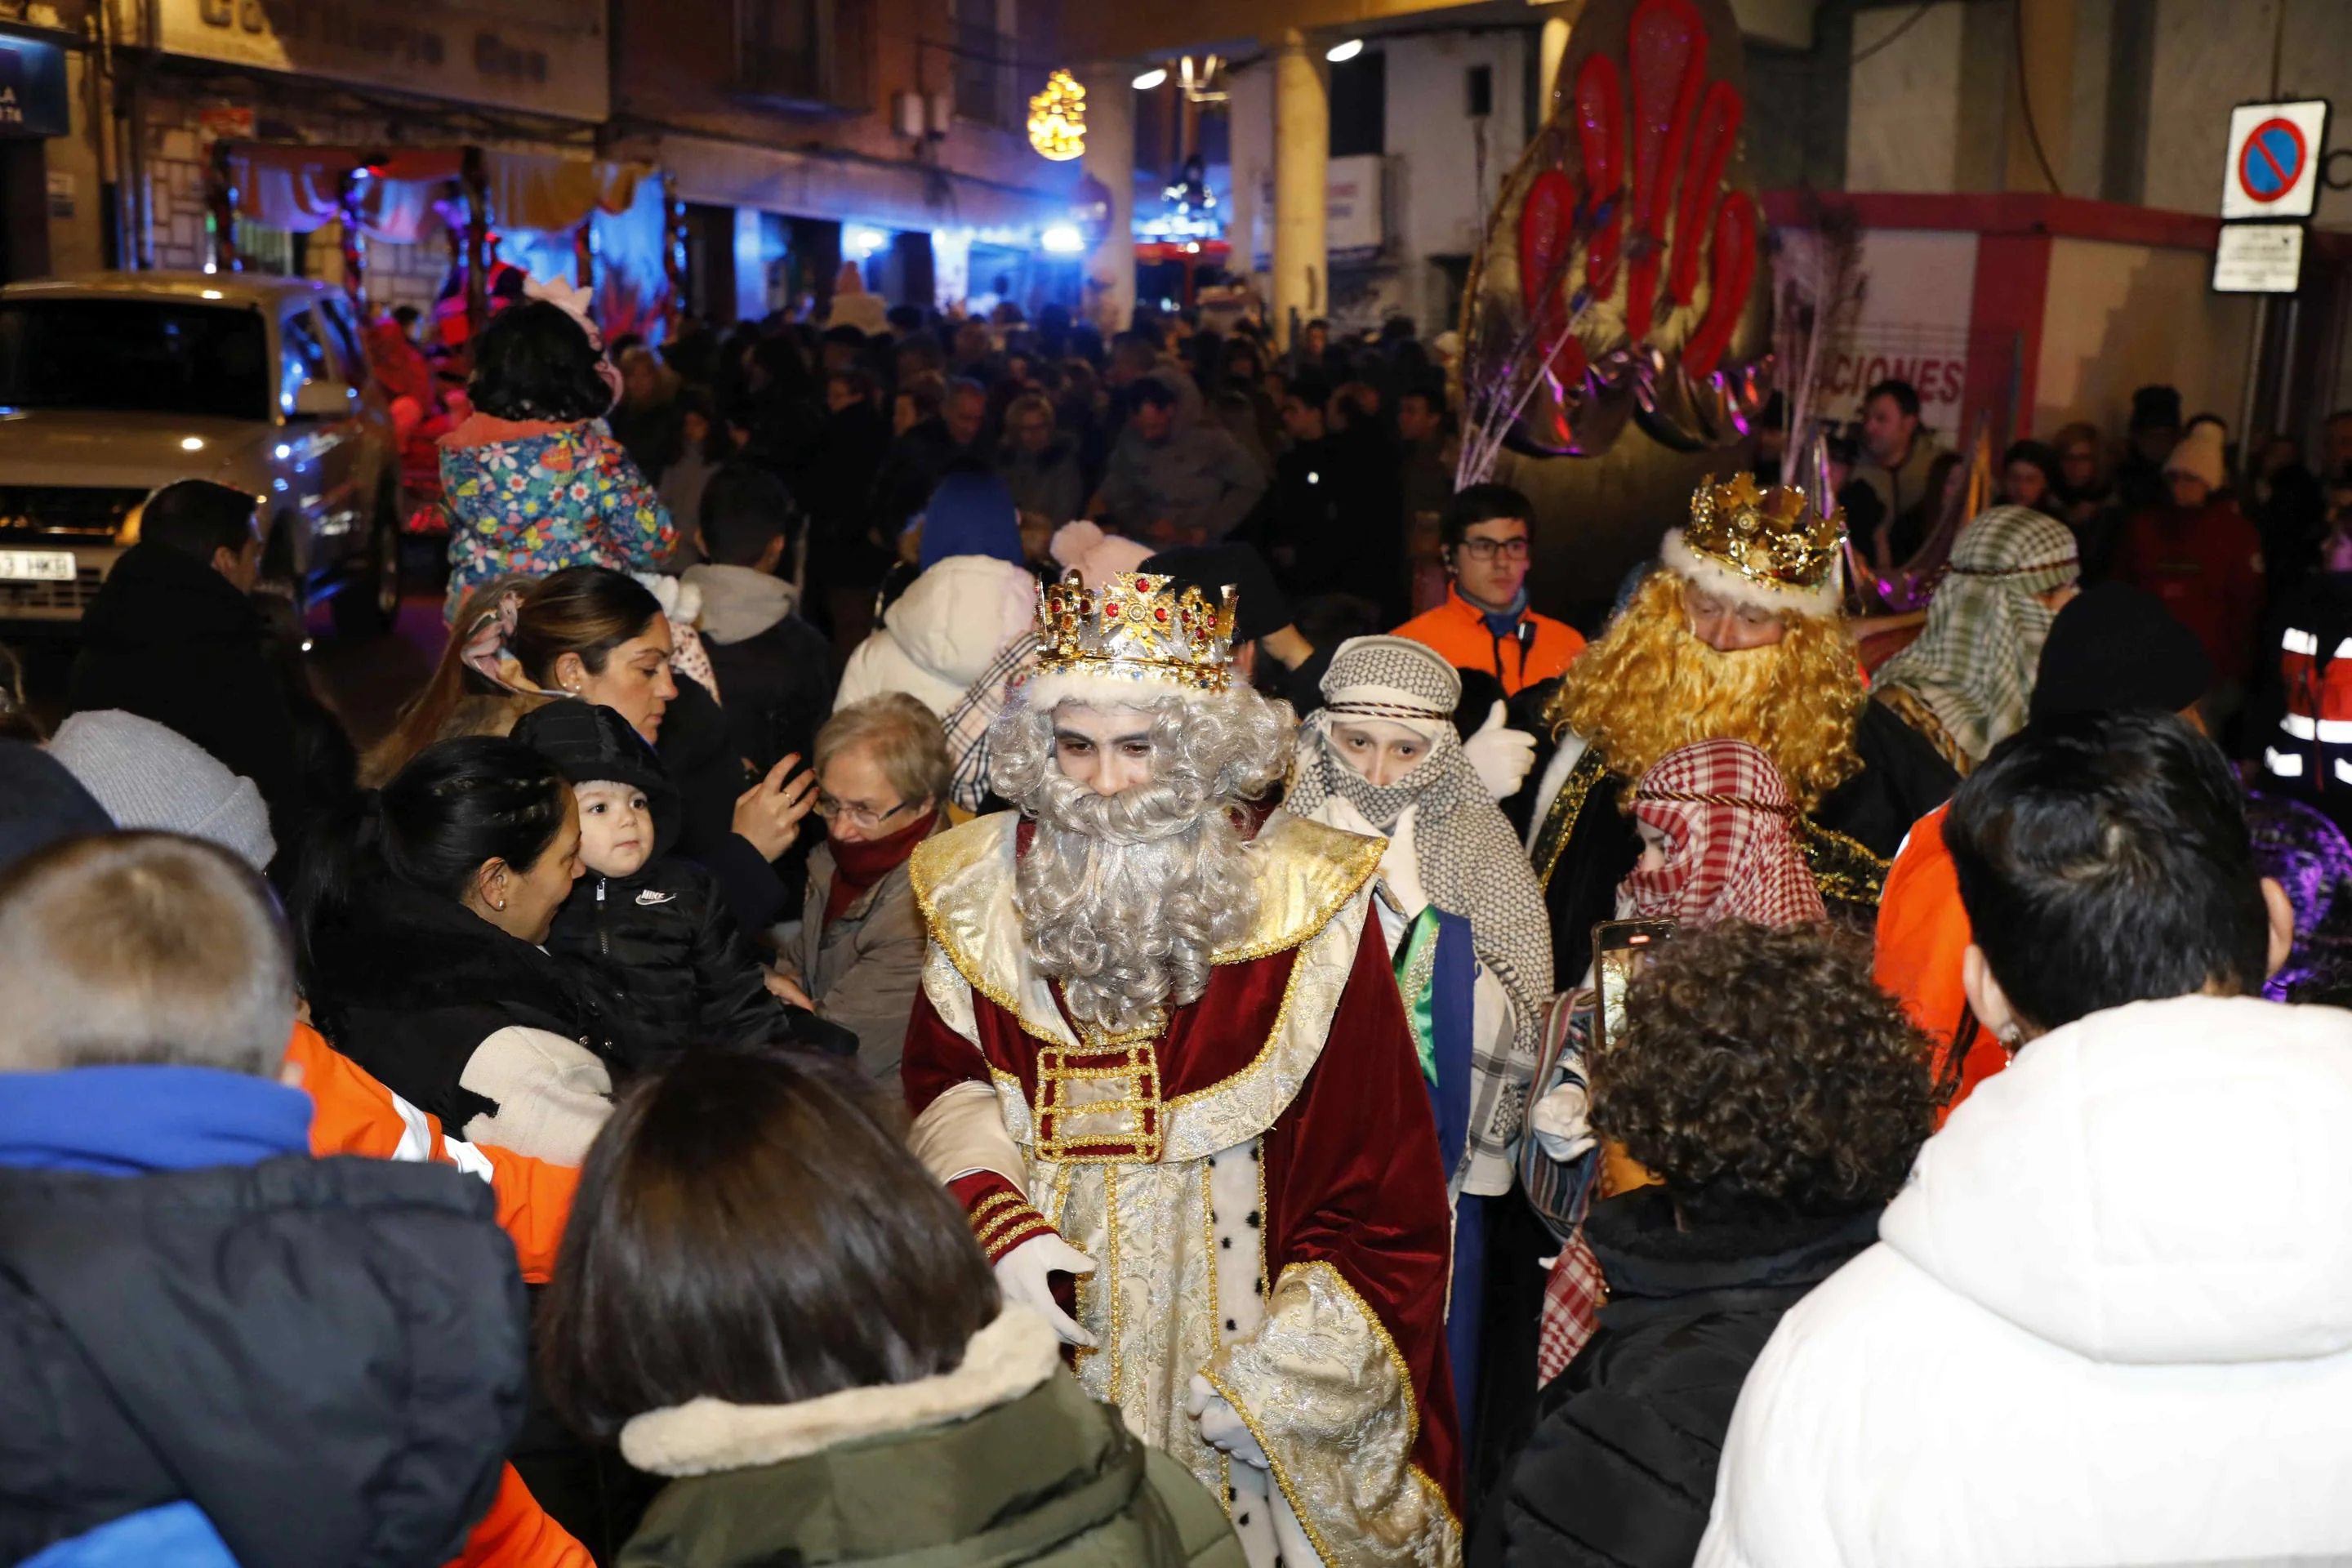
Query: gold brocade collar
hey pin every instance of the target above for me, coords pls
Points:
(1306, 873)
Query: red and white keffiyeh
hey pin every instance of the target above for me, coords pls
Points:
(1733, 850)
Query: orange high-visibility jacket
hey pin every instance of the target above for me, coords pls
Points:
(1923, 935)
(1542, 649)
(351, 1113)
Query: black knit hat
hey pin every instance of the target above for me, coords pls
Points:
(588, 742)
(2156, 408)
(2116, 647)
(1259, 606)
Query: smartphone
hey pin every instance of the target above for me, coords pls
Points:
(1620, 950)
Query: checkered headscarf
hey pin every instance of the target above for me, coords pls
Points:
(1468, 859)
(1733, 849)
(1973, 665)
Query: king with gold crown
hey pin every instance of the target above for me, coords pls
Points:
(1735, 636)
(1160, 1059)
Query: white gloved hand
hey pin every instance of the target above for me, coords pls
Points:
(1022, 1274)
(1222, 1426)
(1561, 1123)
(1500, 755)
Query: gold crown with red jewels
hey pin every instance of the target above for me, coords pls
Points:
(1772, 537)
(1134, 627)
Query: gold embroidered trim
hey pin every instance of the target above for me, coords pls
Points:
(1842, 867)
(1110, 1268)
(1249, 1100)
(1273, 1039)
(1004, 1223)
(1388, 1344)
(1913, 710)
(1071, 1123)
(1567, 809)
(1305, 872)
(1325, 1271)
(1298, 1509)
(994, 1201)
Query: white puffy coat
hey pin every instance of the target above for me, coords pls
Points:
(2109, 1321)
(942, 632)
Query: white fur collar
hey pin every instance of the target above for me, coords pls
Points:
(1004, 1361)
(1816, 602)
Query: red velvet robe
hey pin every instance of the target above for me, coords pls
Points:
(1351, 1173)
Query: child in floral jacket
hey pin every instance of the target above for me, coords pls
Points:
(533, 480)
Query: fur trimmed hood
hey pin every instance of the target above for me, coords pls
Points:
(1009, 1358)
(1817, 602)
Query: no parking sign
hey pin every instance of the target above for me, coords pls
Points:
(2276, 151)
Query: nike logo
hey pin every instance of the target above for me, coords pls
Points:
(650, 897)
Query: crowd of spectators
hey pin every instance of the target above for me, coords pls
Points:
(486, 1145)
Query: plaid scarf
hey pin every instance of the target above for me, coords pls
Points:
(1732, 850)
(1468, 859)
(1973, 665)
(967, 723)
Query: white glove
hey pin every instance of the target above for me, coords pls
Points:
(1222, 1426)
(1021, 1276)
(1500, 755)
(1560, 1124)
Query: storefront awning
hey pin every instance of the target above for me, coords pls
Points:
(890, 195)
(299, 186)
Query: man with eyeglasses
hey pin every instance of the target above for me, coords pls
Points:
(1484, 623)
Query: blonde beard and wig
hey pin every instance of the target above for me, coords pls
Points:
(1649, 686)
(1124, 898)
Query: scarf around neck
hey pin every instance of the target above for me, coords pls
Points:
(858, 866)
(1468, 859)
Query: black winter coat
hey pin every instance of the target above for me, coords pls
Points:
(779, 689)
(1622, 1469)
(699, 758)
(172, 640)
(326, 1356)
(663, 943)
(408, 985)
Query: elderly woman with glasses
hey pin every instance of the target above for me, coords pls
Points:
(882, 772)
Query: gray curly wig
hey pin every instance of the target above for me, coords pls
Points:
(1123, 898)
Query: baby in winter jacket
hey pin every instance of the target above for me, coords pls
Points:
(652, 926)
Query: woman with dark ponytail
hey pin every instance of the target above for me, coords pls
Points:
(420, 916)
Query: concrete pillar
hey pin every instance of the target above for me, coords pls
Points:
(1551, 49)
(1110, 158)
(1302, 171)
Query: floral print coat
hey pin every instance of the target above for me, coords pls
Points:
(526, 497)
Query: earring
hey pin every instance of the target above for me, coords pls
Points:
(500, 905)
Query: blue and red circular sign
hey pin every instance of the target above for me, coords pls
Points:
(2272, 160)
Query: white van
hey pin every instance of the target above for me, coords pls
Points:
(116, 383)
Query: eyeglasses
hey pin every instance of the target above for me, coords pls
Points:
(1487, 549)
(864, 817)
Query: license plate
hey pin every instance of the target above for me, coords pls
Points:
(36, 567)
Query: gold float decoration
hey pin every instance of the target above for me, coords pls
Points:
(1057, 119)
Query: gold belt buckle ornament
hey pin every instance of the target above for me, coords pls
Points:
(1101, 1104)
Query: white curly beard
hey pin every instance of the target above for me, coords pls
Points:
(1124, 898)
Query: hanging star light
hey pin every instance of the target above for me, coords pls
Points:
(1057, 119)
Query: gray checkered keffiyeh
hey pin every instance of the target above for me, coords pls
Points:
(967, 723)
(1468, 859)
(1973, 665)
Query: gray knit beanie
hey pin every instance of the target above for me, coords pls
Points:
(151, 776)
